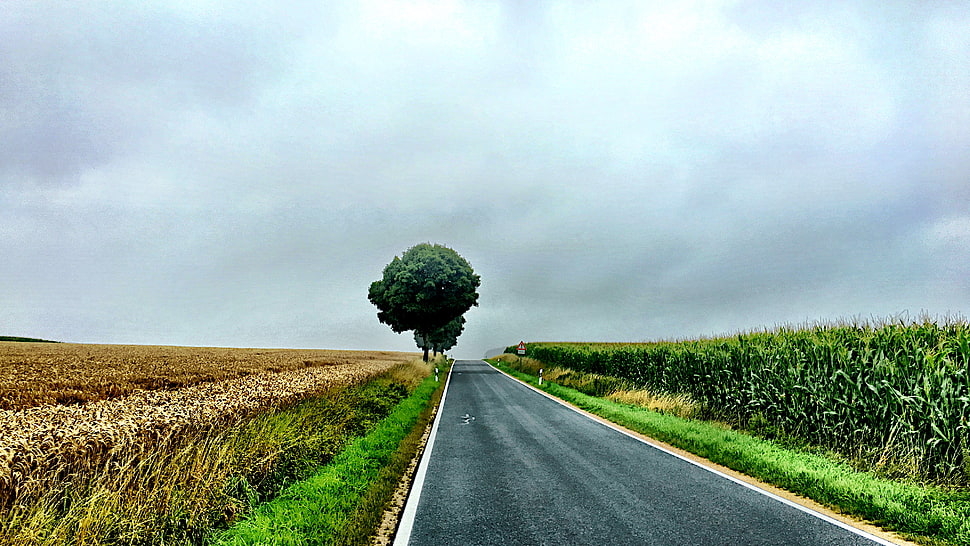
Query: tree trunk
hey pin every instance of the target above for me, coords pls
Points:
(424, 343)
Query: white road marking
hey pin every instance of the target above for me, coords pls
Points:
(752, 487)
(406, 524)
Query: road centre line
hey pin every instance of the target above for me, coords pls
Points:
(406, 524)
(769, 494)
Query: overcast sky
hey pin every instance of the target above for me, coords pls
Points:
(230, 174)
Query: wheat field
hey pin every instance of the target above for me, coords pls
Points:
(36, 374)
(69, 408)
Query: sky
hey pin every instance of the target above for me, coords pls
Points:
(236, 174)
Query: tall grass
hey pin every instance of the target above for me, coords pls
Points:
(896, 394)
(343, 501)
(185, 485)
(619, 390)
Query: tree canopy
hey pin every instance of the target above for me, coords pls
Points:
(443, 338)
(425, 289)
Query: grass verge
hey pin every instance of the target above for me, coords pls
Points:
(926, 514)
(182, 487)
(343, 502)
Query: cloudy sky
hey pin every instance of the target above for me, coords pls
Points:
(208, 173)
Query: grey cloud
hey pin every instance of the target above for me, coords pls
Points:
(85, 83)
(196, 175)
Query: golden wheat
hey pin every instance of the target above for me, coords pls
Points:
(45, 443)
(34, 374)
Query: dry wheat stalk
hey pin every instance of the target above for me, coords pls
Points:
(48, 442)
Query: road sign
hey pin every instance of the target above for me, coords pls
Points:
(521, 349)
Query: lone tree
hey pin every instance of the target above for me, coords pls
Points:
(425, 289)
(443, 338)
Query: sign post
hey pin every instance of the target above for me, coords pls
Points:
(521, 349)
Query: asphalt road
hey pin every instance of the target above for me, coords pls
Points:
(509, 466)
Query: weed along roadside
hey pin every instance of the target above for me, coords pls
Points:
(187, 485)
(348, 500)
(926, 513)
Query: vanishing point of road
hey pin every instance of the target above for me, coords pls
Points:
(508, 465)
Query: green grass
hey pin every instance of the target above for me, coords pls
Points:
(343, 501)
(930, 514)
(180, 488)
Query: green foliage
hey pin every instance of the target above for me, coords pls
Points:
(192, 483)
(897, 394)
(443, 338)
(26, 339)
(424, 289)
(312, 432)
(326, 508)
(592, 384)
(936, 515)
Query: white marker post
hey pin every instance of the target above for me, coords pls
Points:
(436, 373)
(540, 376)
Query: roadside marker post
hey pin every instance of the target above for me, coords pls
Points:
(436, 373)
(540, 376)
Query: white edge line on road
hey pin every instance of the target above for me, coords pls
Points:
(753, 487)
(406, 523)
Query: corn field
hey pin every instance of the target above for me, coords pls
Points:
(898, 394)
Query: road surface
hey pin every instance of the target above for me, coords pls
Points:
(507, 465)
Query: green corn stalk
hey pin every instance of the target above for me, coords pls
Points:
(893, 390)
